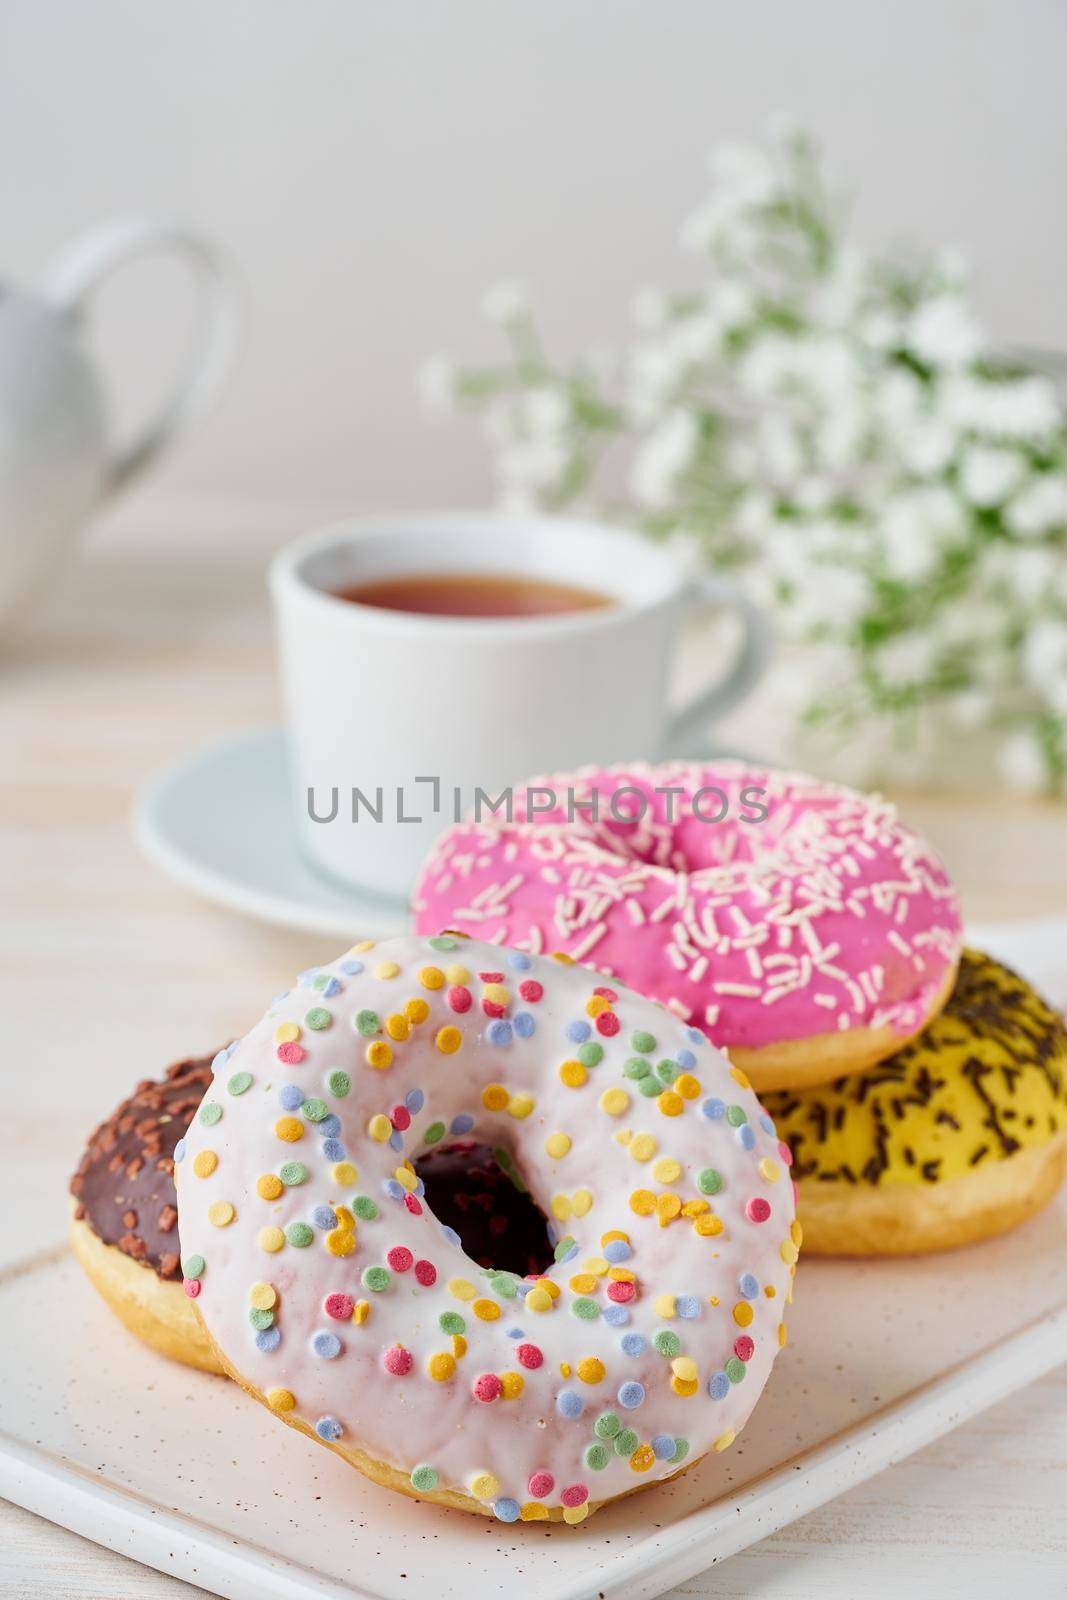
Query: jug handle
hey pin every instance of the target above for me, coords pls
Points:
(219, 335)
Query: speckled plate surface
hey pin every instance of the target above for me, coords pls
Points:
(184, 1472)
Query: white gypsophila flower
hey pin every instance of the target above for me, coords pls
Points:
(824, 538)
(849, 483)
(1033, 582)
(738, 245)
(744, 172)
(519, 419)
(941, 508)
(813, 492)
(829, 366)
(545, 410)
(963, 623)
(1021, 760)
(754, 515)
(910, 548)
(820, 365)
(498, 422)
(997, 564)
(836, 595)
(653, 373)
(766, 366)
(944, 510)
(731, 303)
(781, 456)
(649, 308)
(835, 300)
(437, 384)
(505, 302)
(662, 458)
(1039, 507)
(881, 329)
(988, 475)
(962, 402)
(839, 438)
(970, 708)
(532, 464)
(906, 659)
(724, 217)
(1029, 573)
(804, 555)
(929, 448)
(782, 556)
(741, 459)
(943, 333)
(1024, 408)
(900, 402)
(695, 338)
(1044, 653)
(1044, 659)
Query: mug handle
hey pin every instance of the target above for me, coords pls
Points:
(207, 367)
(708, 592)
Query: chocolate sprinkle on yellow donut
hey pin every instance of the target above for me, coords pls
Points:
(985, 1079)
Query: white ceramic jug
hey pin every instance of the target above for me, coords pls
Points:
(57, 464)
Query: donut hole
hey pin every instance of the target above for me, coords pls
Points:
(476, 1190)
(712, 827)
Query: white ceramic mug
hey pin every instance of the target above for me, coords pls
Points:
(418, 711)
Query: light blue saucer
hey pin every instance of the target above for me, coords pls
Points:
(219, 822)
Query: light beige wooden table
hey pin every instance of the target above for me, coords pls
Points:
(108, 972)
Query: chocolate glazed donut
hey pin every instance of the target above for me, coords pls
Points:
(124, 1225)
(125, 1203)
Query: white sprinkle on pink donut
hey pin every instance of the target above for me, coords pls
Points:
(807, 908)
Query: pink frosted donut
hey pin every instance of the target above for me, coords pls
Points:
(798, 923)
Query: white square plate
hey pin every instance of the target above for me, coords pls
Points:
(184, 1472)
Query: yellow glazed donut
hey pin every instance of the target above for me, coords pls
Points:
(124, 1221)
(335, 1295)
(959, 1136)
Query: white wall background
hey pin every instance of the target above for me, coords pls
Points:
(374, 165)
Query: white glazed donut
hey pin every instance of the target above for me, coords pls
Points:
(333, 1294)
